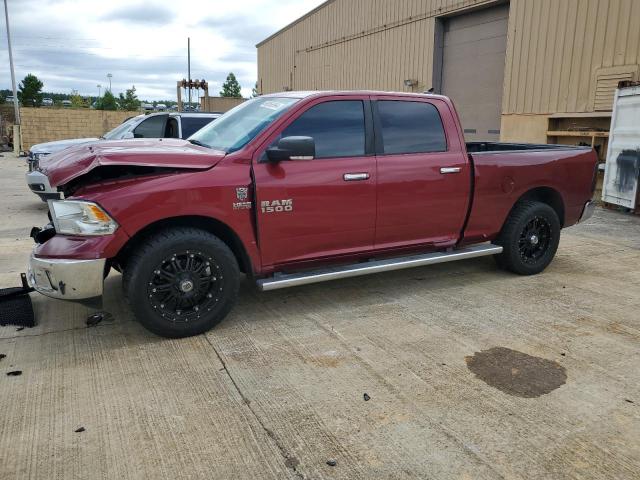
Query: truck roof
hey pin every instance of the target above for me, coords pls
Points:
(323, 93)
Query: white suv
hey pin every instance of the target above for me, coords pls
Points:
(155, 125)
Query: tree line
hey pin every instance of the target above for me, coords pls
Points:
(30, 94)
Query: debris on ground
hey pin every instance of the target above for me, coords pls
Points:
(15, 307)
(331, 462)
(79, 430)
(366, 397)
(14, 373)
(97, 317)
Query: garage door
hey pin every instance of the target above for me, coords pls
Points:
(474, 47)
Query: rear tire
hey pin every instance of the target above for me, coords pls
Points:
(529, 238)
(181, 282)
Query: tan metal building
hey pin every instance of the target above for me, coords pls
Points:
(524, 70)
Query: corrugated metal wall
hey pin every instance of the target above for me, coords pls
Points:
(350, 44)
(562, 55)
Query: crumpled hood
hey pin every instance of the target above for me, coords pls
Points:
(157, 152)
(53, 147)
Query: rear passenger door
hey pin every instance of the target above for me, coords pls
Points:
(424, 179)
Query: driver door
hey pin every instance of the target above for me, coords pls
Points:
(325, 206)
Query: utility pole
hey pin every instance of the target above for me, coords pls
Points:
(99, 89)
(188, 64)
(109, 77)
(16, 106)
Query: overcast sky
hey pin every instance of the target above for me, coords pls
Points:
(74, 44)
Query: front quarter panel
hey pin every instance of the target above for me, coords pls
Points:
(136, 204)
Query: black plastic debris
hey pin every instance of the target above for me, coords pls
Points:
(366, 397)
(14, 373)
(97, 317)
(331, 462)
(79, 430)
(15, 305)
(2, 355)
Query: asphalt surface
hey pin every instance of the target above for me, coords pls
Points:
(455, 371)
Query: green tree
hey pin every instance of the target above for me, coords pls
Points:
(129, 101)
(254, 91)
(77, 101)
(30, 91)
(231, 87)
(107, 102)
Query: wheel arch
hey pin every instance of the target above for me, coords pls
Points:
(548, 195)
(208, 224)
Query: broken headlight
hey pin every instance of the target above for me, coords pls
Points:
(77, 217)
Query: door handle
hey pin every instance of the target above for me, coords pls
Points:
(450, 170)
(352, 177)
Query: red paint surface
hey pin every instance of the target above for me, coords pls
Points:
(75, 161)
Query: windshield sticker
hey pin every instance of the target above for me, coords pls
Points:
(271, 105)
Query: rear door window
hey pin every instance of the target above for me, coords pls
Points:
(191, 125)
(337, 128)
(152, 127)
(410, 127)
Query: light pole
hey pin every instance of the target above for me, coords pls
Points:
(13, 74)
(99, 89)
(108, 75)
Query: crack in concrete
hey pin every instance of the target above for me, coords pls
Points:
(288, 458)
(55, 331)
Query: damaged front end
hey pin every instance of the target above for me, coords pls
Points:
(76, 228)
(74, 252)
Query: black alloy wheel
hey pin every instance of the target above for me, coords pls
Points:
(181, 282)
(184, 285)
(534, 240)
(529, 238)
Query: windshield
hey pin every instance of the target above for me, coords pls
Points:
(117, 132)
(240, 125)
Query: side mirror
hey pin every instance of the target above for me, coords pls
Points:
(127, 135)
(292, 148)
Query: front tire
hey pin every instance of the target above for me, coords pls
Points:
(181, 282)
(529, 238)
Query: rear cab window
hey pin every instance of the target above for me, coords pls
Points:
(409, 127)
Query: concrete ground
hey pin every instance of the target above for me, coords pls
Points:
(471, 373)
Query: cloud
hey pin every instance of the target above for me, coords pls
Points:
(142, 14)
(139, 45)
(239, 28)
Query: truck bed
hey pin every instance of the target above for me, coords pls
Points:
(504, 172)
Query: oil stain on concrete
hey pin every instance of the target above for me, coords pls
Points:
(517, 373)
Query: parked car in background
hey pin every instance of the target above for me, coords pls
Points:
(161, 107)
(295, 188)
(47, 102)
(66, 103)
(9, 99)
(155, 125)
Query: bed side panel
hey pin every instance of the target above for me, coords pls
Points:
(502, 178)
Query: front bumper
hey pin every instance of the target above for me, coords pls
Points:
(39, 184)
(587, 211)
(67, 279)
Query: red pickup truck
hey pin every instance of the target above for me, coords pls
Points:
(294, 188)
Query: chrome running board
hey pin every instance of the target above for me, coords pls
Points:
(282, 280)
